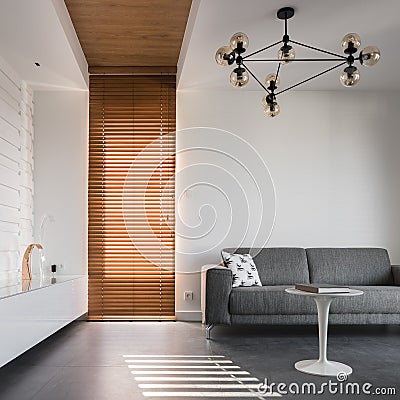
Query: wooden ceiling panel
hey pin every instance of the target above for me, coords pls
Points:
(130, 32)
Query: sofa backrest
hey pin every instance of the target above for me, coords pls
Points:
(278, 265)
(349, 266)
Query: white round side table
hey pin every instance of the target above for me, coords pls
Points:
(323, 366)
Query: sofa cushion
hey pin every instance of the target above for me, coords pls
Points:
(375, 300)
(244, 271)
(271, 300)
(349, 266)
(278, 265)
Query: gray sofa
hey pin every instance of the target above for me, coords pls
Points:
(367, 269)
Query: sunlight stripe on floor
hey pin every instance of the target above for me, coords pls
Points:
(182, 361)
(191, 372)
(195, 379)
(209, 394)
(199, 386)
(171, 356)
(188, 376)
(185, 366)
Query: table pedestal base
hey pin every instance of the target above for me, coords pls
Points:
(323, 368)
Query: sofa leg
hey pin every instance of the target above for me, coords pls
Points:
(208, 331)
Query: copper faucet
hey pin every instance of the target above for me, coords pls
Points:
(26, 260)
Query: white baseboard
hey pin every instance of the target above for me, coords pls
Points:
(188, 316)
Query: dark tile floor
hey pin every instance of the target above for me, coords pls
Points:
(85, 360)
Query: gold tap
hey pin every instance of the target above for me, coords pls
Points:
(26, 261)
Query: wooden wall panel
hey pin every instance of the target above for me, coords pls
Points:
(130, 32)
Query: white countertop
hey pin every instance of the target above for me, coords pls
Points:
(13, 288)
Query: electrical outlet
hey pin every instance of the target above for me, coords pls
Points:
(188, 295)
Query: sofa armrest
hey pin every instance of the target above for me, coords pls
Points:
(396, 274)
(218, 290)
(203, 280)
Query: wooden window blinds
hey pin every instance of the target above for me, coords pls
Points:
(131, 197)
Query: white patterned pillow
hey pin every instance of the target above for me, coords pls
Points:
(243, 269)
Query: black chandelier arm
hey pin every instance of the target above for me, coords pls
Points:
(258, 81)
(296, 59)
(317, 49)
(312, 77)
(277, 71)
(263, 49)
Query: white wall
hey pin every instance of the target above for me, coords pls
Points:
(333, 158)
(16, 171)
(61, 142)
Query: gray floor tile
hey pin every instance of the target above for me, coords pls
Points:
(84, 383)
(19, 382)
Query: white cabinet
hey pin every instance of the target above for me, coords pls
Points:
(29, 317)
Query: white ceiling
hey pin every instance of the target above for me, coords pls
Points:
(321, 23)
(41, 31)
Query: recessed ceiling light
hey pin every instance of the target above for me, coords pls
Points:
(37, 64)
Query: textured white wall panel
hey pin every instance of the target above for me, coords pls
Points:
(16, 171)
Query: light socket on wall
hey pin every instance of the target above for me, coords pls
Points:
(188, 295)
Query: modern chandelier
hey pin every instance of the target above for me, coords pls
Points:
(239, 77)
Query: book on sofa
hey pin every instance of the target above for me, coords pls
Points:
(322, 288)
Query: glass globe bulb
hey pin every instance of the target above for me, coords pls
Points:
(267, 100)
(239, 37)
(272, 77)
(264, 102)
(219, 55)
(239, 77)
(349, 80)
(286, 57)
(370, 56)
(272, 113)
(351, 38)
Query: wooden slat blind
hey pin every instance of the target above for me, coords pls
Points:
(131, 197)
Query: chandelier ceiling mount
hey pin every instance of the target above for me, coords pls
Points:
(285, 13)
